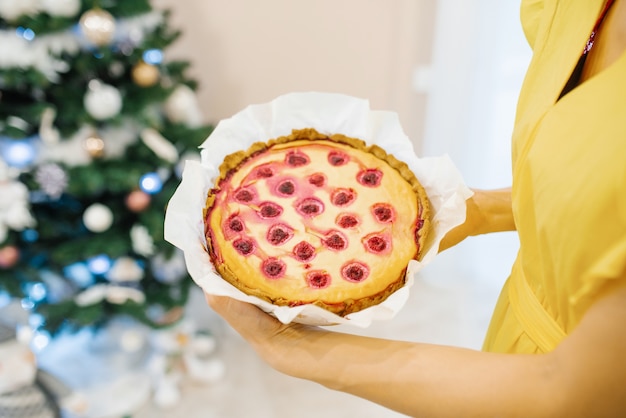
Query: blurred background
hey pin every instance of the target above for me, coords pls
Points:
(451, 69)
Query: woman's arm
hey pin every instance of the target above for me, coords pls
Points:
(487, 211)
(583, 377)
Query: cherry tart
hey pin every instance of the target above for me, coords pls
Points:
(316, 219)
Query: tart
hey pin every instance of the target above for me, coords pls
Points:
(316, 219)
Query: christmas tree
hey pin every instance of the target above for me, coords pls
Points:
(95, 125)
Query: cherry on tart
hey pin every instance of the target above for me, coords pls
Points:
(317, 179)
(286, 188)
(347, 220)
(318, 279)
(335, 241)
(279, 234)
(304, 252)
(370, 177)
(310, 207)
(343, 197)
(315, 219)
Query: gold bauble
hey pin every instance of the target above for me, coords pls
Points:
(98, 26)
(145, 75)
(94, 145)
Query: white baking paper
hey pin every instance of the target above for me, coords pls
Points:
(328, 113)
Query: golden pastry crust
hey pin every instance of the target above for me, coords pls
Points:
(316, 219)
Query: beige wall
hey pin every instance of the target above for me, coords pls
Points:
(250, 51)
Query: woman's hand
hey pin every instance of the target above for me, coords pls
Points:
(268, 336)
(486, 211)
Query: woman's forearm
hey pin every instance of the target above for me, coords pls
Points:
(582, 377)
(422, 379)
(412, 378)
(486, 211)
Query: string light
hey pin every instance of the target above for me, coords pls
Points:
(25, 33)
(30, 235)
(153, 56)
(40, 340)
(99, 264)
(79, 274)
(17, 153)
(27, 304)
(151, 183)
(36, 291)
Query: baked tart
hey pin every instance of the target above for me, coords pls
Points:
(316, 219)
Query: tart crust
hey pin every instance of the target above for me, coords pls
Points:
(385, 271)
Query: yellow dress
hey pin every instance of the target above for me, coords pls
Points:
(569, 183)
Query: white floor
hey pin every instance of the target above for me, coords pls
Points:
(451, 304)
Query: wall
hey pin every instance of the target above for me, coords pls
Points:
(479, 59)
(249, 51)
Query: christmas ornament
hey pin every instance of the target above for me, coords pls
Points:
(47, 132)
(70, 151)
(98, 218)
(142, 242)
(159, 145)
(170, 270)
(98, 26)
(125, 269)
(9, 256)
(144, 74)
(138, 201)
(118, 137)
(14, 121)
(52, 179)
(94, 145)
(119, 295)
(11, 10)
(62, 8)
(102, 101)
(116, 69)
(114, 294)
(182, 107)
(14, 208)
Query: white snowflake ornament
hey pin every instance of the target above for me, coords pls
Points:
(52, 179)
